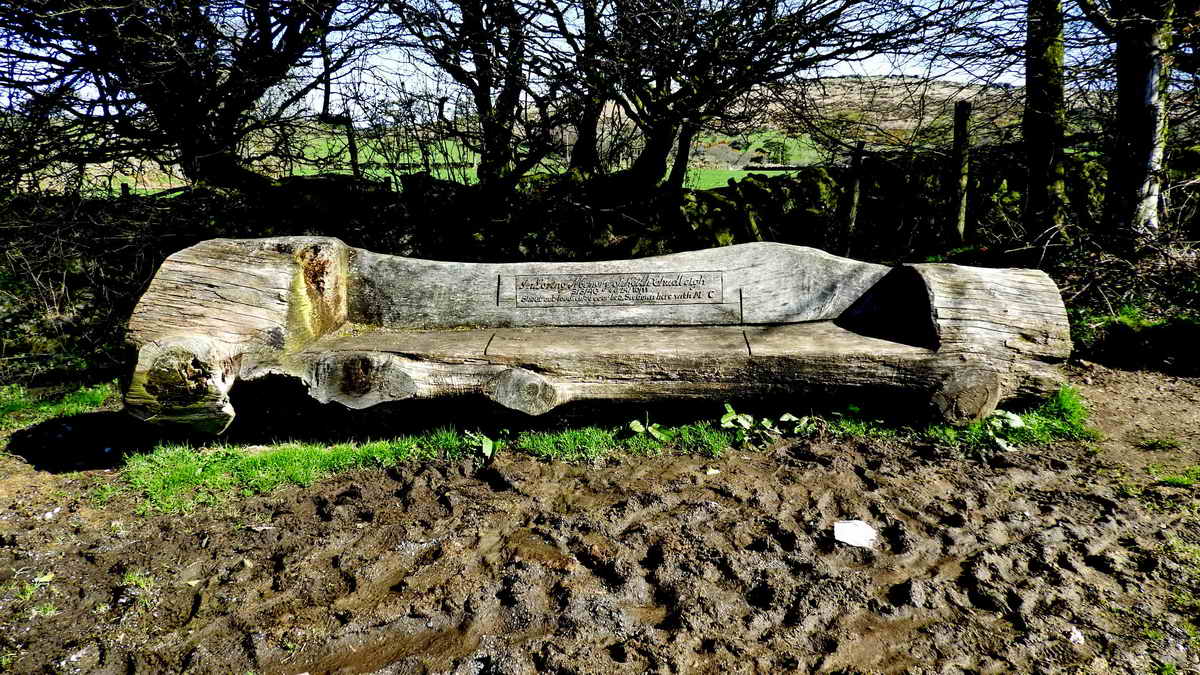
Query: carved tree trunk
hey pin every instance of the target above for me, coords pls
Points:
(215, 306)
(360, 328)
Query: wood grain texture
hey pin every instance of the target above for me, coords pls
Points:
(758, 282)
(184, 382)
(629, 363)
(212, 303)
(742, 320)
(1011, 322)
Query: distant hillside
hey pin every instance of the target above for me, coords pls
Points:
(894, 110)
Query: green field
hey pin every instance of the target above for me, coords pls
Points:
(707, 179)
(326, 151)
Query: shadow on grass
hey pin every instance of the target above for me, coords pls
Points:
(277, 409)
(95, 440)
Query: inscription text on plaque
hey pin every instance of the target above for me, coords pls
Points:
(639, 288)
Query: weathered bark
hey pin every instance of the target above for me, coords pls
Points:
(1044, 120)
(184, 382)
(1008, 321)
(523, 390)
(213, 305)
(741, 320)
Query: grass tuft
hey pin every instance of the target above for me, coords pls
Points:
(19, 408)
(703, 438)
(1061, 418)
(1186, 478)
(1158, 444)
(178, 478)
(571, 445)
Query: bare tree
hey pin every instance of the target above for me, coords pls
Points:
(178, 81)
(679, 64)
(487, 47)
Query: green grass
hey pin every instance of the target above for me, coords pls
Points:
(1186, 478)
(46, 609)
(1062, 417)
(19, 409)
(707, 179)
(178, 478)
(174, 478)
(571, 445)
(181, 478)
(142, 584)
(704, 438)
(1157, 444)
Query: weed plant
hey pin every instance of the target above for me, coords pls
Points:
(1062, 417)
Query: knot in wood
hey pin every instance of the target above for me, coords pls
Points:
(525, 391)
(178, 377)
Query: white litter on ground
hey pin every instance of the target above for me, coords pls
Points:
(855, 533)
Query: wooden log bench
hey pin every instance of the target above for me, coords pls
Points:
(361, 328)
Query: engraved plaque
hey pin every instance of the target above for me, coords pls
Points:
(619, 289)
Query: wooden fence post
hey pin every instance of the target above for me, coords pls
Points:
(856, 161)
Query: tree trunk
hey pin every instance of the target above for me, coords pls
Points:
(856, 162)
(585, 156)
(223, 169)
(1135, 177)
(961, 167)
(683, 152)
(651, 164)
(754, 319)
(352, 146)
(1044, 121)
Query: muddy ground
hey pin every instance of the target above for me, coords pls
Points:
(1068, 558)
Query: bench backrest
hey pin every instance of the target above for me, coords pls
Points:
(757, 283)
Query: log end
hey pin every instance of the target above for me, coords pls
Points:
(360, 380)
(523, 390)
(183, 383)
(967, 395)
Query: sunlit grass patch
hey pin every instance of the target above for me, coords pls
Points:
(1187, 477)
(585, 443)
(178, 478)
(19, 408)
(1063, 417)
(704, 438)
